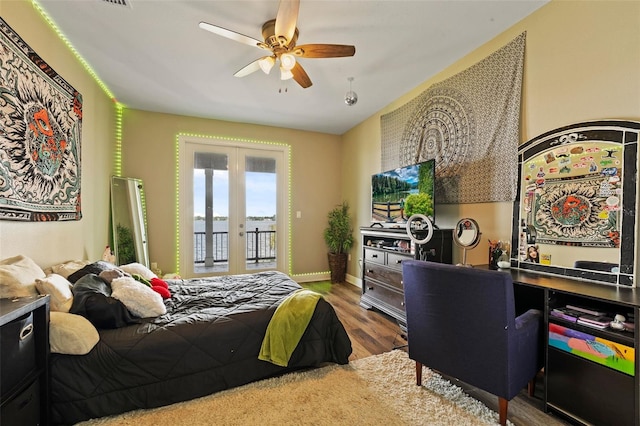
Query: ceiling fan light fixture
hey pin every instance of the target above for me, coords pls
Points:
(287, 61)
(267, 63)
(285, 74)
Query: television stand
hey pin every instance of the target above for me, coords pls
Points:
(383, 251)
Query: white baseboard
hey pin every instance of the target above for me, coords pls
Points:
(354, 280)
(324, 276)
(311, 277)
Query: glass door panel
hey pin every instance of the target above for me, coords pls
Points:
(261, 203)
(211, 212)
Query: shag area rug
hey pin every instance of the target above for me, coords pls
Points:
(378, 390)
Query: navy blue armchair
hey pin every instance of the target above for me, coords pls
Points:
(461, 322)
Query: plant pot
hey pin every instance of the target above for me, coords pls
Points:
(338, 267)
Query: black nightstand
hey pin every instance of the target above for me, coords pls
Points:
(24, 361)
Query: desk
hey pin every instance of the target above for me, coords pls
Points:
(583, 390)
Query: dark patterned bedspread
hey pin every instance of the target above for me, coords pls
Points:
(208, 341)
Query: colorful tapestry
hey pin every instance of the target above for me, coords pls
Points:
(576, 212)
(470, 124)
(572, 193)
(40, 130)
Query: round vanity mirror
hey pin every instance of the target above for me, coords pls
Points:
(466, 234)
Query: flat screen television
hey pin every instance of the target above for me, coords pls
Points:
(394, 190)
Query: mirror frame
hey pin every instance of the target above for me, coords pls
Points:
(136, 214)
(476, 239)
(625, 133)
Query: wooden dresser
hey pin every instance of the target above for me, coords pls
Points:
(383, 250)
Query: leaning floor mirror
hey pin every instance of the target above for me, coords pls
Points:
(128, 221)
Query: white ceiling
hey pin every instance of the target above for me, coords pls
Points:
(152, 55)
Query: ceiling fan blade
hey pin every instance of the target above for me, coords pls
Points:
(232, 35)
(324, 50)
(251, 68)
(300, 76)
(287, 19)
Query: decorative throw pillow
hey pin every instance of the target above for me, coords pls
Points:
(18, 276)
(59, 290)
(139, 299)
(92, 299)
(139, 269)
(71, 334)
(92, 268)
(67, 268)
(112, 274)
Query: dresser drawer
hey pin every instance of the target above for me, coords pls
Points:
(389, 276)
(384, 294)
(17, 352)
(375, 256)
(24, 408)
(394, 260)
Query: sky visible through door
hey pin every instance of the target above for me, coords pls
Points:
(260, 188)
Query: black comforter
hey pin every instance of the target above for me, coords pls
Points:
(208, 341)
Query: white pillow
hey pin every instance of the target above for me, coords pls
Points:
(18, 276)
(71, 334)
(59, 289)
(68, 268)
(139, 299)
(138, 269)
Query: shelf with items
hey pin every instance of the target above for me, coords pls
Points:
(592, 316)
(589, 360)
(622, 337)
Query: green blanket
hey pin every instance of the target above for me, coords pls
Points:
(288, 324)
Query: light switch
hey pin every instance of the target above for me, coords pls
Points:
(298, 214)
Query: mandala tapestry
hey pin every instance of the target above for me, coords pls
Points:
(40, 129)
(470, 124)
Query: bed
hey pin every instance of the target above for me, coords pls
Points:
(207, 341)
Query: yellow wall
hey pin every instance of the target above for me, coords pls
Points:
(582, 62)
(149, 154)
(49, 243)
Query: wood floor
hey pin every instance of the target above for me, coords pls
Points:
(373, 333)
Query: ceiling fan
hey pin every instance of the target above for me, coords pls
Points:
(280, 37)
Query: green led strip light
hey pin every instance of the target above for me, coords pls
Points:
(232, 139)
(289, 224)
(66, 41)
(117, 152)
(177, 183)
(117, 165)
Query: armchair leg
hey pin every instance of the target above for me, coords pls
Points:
(502, 412)
(531, 387)
(418, 374)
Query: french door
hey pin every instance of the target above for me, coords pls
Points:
(233, 207)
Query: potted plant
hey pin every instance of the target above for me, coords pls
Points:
(339, 238)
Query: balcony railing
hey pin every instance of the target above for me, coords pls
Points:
(261, 246)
